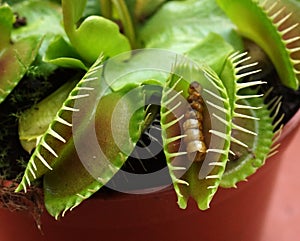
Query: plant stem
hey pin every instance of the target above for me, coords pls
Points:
(126, 20)
(106, 8)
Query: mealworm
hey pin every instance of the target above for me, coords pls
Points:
(193, 124)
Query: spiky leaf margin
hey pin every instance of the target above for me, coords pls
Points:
(267, 24)
(41, 115)
(197, 180)
(59, 132)
(252, 129)
(257, 147)
(67, 182)
(80, 172)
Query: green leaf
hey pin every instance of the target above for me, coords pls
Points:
(126, 20)
(95, 35)
(98, 35)
(63, 54)
(144, 65)
(213, 50)
(181, 25)
(6, 24)
(72, 11)
(270, 27)
(43, 18)
(14, 62)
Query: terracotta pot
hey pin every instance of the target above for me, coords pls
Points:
(235, 214)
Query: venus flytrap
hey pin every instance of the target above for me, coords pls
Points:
(239, 118)
(59, 199)
(252, 133)
(41, 114)
(196, 179)
(207, 102)
(21, 47)
(270, 25)
(45, 155)
(256, 143)
(56, 151)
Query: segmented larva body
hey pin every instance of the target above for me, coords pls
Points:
(193, 125)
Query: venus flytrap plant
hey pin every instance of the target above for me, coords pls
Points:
(59, 199)
(252, 133)
(271, 26)
(256, 143)
(45, 155)
(56, 152)
(240, 118)
(216, 129)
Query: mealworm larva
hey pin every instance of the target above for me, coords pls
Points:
(193, 124)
